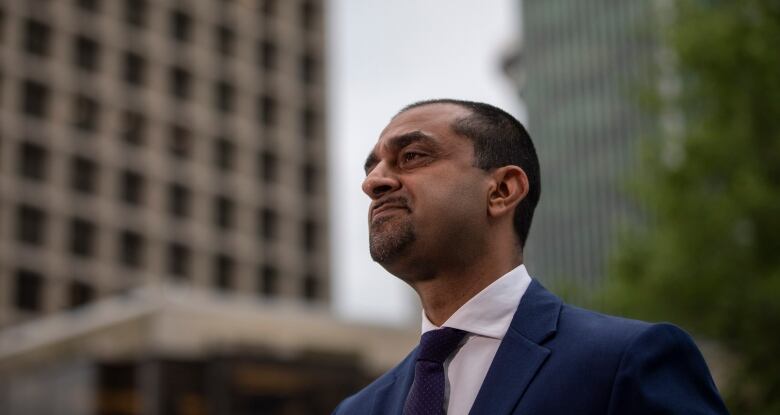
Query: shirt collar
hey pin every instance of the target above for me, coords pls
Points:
(490, 311)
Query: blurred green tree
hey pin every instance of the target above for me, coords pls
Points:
(708, 256)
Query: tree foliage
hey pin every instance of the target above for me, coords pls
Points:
(708, 257)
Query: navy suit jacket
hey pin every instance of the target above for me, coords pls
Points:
(558, 359)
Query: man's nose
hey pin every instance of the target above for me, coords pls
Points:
(380, 182)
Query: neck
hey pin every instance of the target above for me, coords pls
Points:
(444, 294)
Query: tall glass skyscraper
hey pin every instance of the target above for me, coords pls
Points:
(580, 71)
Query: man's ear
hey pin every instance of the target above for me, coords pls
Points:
(509, 187)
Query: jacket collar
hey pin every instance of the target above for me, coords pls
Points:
(517, 360)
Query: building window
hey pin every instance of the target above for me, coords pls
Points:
(309, 180)
(30, 225)
(308, 15)
(80, 293)
(268, 224)
(307, 69)
(224, 96)
(224, 154)
(178, 200)
(87, 53)
(309, 235)
(131, 249)
(133, 127)
(35, 99)
(268, 110)
(134, 69)
(132, 188)
(269, 281)
(311, 288)
(226, 40)
(135, 12)
(268, 7)
(267, 55)
(179, 260)
(37, 36)
(224, 212)
(224, 268)
(180, 80)
(33, 160)
(269, 166)
(83, 175)
(29, 290)
(181, 25)
(86, 113)
(308, 123)
(180, 145)
(89, 5)
(82, 237)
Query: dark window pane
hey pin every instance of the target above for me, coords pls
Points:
(181, 25)
(269, 281)
(134, 68)
(267, 54)
(224, 153)
(311, 288)
(309, 181)
(308, 69)
(135, 12)
(29, 289)
(309, 123)
(268, 110)
(133, 127)
(81, 293)
(180, 144)
(180, 80)
(268, 223)
(309, 15)
(178, 200)
(86, 53)
(82, 237)
(268, 166)
(224, 268)
(132, 188)
(225, 40)
(224, 96)
(131, 249)
(178, 260)
(84, 173)
(310, 233)
(37, 37)
(268, 7)
(35, 99)
(86, 113)
(89, 5)
(224, 212)
(30, 225)
(32, 161)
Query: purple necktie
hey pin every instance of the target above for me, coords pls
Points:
(427, 394)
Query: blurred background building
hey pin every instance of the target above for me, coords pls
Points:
(160, 150)
(580, 67)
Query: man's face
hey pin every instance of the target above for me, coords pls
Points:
(428, 199)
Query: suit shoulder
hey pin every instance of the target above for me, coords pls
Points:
(362, 401)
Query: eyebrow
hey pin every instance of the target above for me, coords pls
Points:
(399, 142)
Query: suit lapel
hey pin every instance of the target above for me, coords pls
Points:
(390, 398)
(520, 355)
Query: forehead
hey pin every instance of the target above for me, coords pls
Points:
(432, 120)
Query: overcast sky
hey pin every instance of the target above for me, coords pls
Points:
(384, 55)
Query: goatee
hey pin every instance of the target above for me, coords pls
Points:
(389, 238)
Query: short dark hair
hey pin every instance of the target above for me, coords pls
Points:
(499, 140)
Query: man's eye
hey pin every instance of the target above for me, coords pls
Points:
(411, 155)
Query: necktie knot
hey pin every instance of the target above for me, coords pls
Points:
(437, 345)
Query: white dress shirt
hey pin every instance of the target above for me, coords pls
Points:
(486, 318)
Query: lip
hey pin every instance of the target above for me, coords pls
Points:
(386, 209)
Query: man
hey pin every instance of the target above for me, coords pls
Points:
(453, 186)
